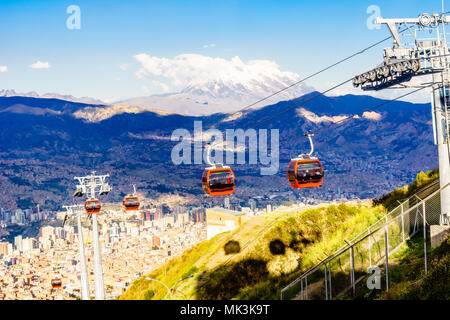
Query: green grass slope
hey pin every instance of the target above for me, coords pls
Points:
(390, 200)
(407, 279)
(256, 260)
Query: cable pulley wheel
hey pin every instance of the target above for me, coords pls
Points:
(415, 65)
(372, 75)
(406, 66)
(425, 20)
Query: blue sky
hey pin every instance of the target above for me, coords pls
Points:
(98, 59)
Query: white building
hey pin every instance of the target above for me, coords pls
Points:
(220, 220)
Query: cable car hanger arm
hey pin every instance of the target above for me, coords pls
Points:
(310, 141)
(208, 155)
(307, 155)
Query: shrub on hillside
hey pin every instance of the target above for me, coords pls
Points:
(232, 247)
(277, 247)
(149, 294)
(191, 271)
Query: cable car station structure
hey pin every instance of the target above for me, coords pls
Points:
(421, 56)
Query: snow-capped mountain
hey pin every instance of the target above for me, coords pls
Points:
(33, 94)
(222, 95)
(200, 97)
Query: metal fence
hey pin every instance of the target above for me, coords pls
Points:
(343, 271)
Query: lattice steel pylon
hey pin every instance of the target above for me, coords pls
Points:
(420, 56)
(91, 185)
(75, 211)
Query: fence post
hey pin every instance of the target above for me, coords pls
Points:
(370, 247)
(424, 235)
(352, 271)
(326, 284)
(301, 288)
(329, 278)
(306, 287)
(386, 244)
(403, 225)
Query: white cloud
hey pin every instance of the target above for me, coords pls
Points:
(211, 45)
(372, 115)
(40, 65)
(3, 68)
(198, 70)
(311, 116)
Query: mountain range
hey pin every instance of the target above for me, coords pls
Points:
(220, 96)
(45, 142)
(196, 99)
(33, 94)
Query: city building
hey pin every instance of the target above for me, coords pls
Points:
(220, 220)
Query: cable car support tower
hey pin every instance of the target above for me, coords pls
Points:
(75, 211)
(91, 185)
(426, 54)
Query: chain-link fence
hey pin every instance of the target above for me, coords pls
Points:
(343, 272)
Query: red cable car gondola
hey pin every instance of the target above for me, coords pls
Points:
(131, 203)
(92, 206)
(305, 171)
(56, 283)
(218, 180)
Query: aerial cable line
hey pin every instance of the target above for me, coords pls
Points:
(316, 73)
(302, 103)
(330, 89)
(298, 82)
(370, 109)
(317, 130)
(335, 123)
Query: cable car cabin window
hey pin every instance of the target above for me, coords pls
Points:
(92, 206)
(205, 181)
(291, 172)
(309, 172)
(221, 180)
(318, 172)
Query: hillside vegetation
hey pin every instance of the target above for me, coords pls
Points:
(266, 253)
(259, 258)
(407, 279)
(422, 180)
